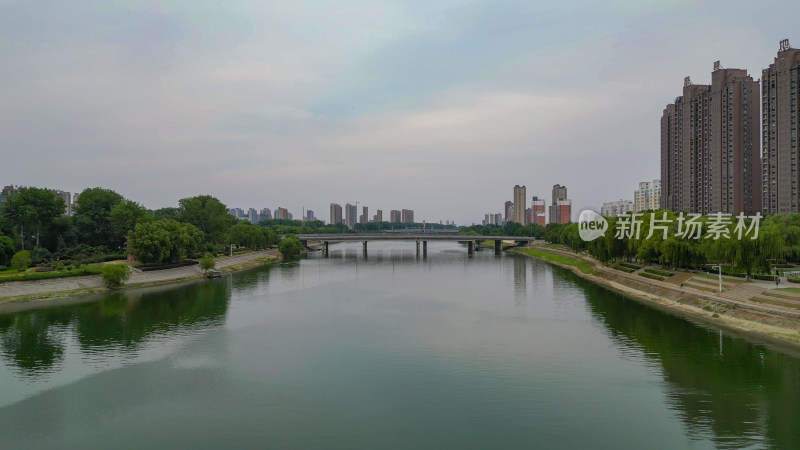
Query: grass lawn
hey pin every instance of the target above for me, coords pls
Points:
(580, 264)
(793, 289)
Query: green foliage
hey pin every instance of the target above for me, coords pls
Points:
(124, 216)
(663, 273)
(31, 212)
(246, 235)
(93, 217)
(623, 268)
(208, 214)
(21, 260)
(207, 262)
(164, 240)
(6, 250)
(114, 275)
(651, 276)
(290, 247)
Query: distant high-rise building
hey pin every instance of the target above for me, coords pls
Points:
(537, 214)
(310, 216)
(519, 205)
(395, 216)
(709, 146)
(350, 213)
(780, 109)
(647, 197)
(378, 216)
(508, 210)
(559, 193)
(616, 209)
(564, 211)
(265, 214)
(252, 216)
(408, 216)
(63, 195)
(336, 213)
(283, 213)
(364, 217)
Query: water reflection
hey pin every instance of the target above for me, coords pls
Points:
(741, 392)
(34, 341)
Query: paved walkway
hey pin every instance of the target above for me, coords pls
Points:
(23, 288)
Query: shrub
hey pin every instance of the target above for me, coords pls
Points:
(764, 277)
(114, 275)
(21, 260)
(630, 265)
(44, 269)
(793, 279)
(207, 262)
(651, 276)
(624, 269)
(290, 247)
(663, 273)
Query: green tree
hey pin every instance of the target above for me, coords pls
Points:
(93, 217)
(290, 247)
(246, 235)
(6, 250)
(32, 210)
(21, 260)
(164, 240)
(114, 275)
(124, 216)
(207, 262)
(207, 214)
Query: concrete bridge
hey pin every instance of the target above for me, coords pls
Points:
(418, 237)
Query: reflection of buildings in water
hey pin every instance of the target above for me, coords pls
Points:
(34, 341)
(520, 279)
(737, 391)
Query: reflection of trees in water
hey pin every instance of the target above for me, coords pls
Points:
(34, 340)
(739, 391)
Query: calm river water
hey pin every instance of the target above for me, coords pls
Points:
(450, 351)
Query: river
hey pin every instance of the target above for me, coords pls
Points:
(391, 351)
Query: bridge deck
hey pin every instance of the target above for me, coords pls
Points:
(406, 237)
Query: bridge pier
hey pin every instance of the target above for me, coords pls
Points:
(325, 248)
(365, 249)
(424, 249)
(417, 247)
(498, 246)
(470, 247)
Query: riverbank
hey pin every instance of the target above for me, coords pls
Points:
(46, 289)
(776, 325)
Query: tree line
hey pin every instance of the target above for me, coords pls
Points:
(776, 242)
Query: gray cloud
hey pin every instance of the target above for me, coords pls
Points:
(437, 106)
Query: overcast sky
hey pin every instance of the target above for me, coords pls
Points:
(437, 106)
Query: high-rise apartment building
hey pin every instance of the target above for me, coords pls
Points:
(282, 213)
(336, 213)
(559, 193)
(508, 210)
(617, 208)
(265, 214)
(310, 216)
(780, 109)
(647, 197)
(252, 216)
(350, 213)
(408, 216)
(537, 215)
(378, 217)
(519, 205)
(364, 217)
(709, 146)
(564, 211)
(395, 216)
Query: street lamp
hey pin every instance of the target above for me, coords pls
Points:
(718, 267)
